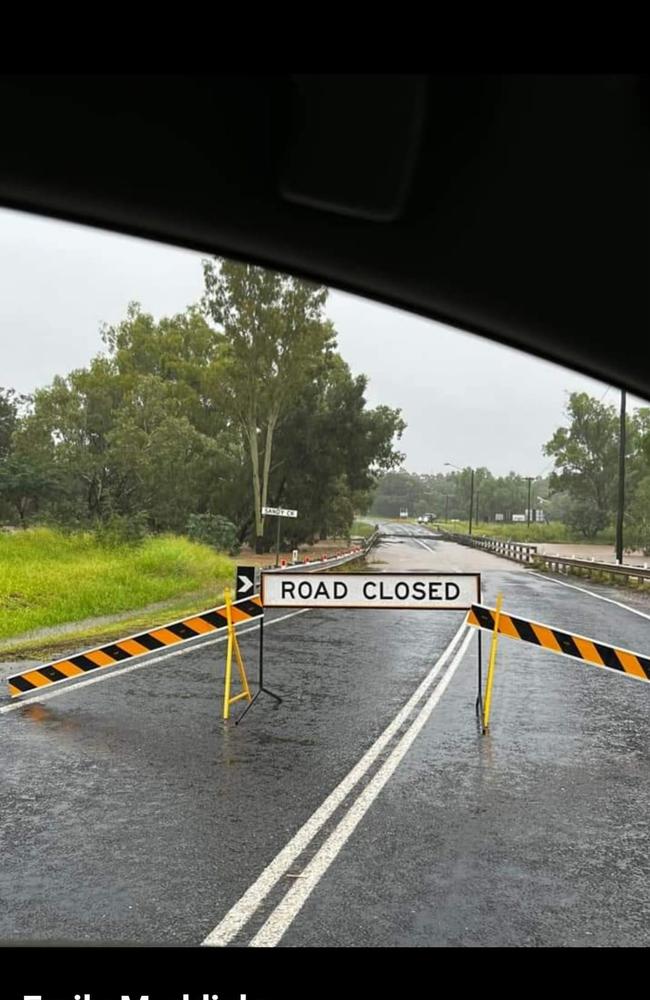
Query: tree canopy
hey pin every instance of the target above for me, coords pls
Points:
(238, 402)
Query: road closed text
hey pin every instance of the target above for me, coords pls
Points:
(371, 590)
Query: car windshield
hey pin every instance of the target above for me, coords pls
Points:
(322, 624)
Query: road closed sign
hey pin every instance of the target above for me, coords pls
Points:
(413, 591)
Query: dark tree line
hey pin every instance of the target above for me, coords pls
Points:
(581, 491)
(241, 401)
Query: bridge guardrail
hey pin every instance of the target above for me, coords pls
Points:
(563, 564)
(312, 565)
(529, 554)
(518, 551)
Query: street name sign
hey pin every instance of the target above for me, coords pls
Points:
(279, 512)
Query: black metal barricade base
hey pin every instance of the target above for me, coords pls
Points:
(260, 679)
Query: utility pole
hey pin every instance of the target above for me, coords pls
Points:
(621, 483)
(471, 500)
(446, 507)
(530, 483)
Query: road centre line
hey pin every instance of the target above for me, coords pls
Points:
(240, 914)
(66, 689)
(287, 910)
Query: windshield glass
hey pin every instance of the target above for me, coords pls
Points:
(321, 623)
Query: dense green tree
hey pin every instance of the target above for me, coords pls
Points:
(152, 431)
(67, 430)
(327, 456)
(277, 340)
(637, 528)
(586, 456)
(448, 494)
(10, 403)
(25, 485)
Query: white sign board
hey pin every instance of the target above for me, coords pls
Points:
(279, 512)
(425, 591)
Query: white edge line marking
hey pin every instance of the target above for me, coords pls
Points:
(599, 597)
(287, 910)
(67, 689)
(239, 915)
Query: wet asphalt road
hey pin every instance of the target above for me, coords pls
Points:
(131, 814)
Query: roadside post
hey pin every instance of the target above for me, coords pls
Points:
(278, 512)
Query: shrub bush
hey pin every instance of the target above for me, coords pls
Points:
(214, 530)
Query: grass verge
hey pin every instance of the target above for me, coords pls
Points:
(52, 647)
(362, 529)
(553, 531)
(48, 578)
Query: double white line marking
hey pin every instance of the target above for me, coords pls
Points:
(289, 907)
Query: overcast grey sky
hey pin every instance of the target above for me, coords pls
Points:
(465, 399)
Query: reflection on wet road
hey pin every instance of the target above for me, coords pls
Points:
(130, 813)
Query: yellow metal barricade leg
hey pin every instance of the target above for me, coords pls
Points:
(226, 692)
(233, 646)
(491, 665)
(246, 691)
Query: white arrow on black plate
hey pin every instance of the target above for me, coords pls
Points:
(245, 583)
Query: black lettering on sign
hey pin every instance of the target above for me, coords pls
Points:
(287, 588)
(304, 589)
(366, 590)
(384, 596)
(419, 591)
(340, 589)
(321, 590)
(433, 596)
(401, 590)
(452, 590)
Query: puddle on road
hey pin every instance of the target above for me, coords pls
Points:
(266, 738)
(47, 716)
